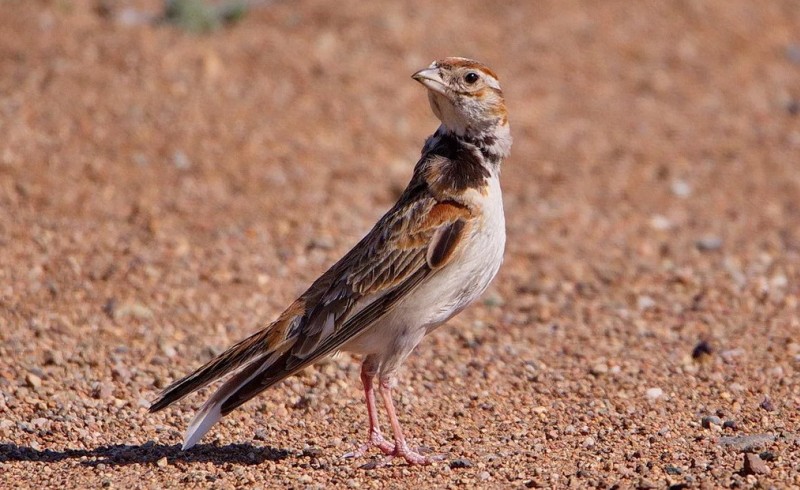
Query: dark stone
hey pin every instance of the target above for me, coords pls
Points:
(702, 349)
(767, 404)
(460, 463)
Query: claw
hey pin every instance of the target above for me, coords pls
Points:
(375, 440)
(413, 457)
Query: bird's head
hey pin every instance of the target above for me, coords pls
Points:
(465, 95)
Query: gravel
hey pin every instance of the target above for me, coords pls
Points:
(165, 194)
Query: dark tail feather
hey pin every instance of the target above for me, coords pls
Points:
(227, 362)
(276, 372)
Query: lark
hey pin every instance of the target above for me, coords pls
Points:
(431, 255)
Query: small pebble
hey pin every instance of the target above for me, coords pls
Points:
(168, 349)
(460, 463)
(731, 354)
(793, 107)
(646, 484)
(103, 391)
(370, 465)
(645, 302)
(767, 456)
(120, 373)
(680, 188)
(707, 422)
(130, 16)
(709, 243)
(660, 222)
(701, 350)
(311, 451)
(162, 463)
(599, 369)
(53, 358)
(493, 299)
(793, 53)
(180, 160)
(135, 310)
(754, 465)
(766, 404)
(654, 393)
(33, 381)
(730, 424)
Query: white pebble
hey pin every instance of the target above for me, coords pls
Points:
(654, 393)
(645, 302)
(680, 188)
(660, 222)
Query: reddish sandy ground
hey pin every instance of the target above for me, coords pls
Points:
(164, 194)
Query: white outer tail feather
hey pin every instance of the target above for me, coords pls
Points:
(211, 411)
(201, 422)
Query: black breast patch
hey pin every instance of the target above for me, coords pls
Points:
(464, 167)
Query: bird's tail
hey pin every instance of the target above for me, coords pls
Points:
(251, 358)
(227, 362)
(213, 409)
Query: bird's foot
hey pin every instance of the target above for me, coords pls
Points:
(412, 457)
(375, 440)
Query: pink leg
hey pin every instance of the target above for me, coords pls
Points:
(401, 448)
(375, 437)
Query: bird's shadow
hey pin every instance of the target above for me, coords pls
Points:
(147, 453)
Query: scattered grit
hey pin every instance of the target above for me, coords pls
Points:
(163, 194)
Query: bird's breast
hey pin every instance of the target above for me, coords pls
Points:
(468, 275)
(453, 287)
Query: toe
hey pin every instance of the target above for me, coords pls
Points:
(415, 458)
(376, 440)
(360, 451)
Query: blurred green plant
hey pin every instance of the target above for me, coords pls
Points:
(199, 16)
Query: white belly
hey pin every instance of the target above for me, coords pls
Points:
(448, 291)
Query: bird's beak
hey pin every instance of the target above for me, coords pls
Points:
(431, 78)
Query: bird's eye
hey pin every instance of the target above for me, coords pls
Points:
(471, 77)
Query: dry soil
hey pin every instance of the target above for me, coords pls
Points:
(163, 194)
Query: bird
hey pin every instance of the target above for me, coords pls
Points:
(430, 256)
